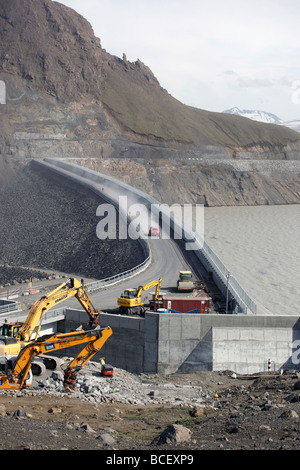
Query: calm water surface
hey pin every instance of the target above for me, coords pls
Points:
(260, 246)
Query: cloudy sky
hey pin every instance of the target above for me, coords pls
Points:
(213, 54)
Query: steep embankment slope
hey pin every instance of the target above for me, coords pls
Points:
(134, 97)
(50, 222)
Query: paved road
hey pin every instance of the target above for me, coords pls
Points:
(167, 260)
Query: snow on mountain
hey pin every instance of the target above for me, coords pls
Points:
(263, 116)
(255, 115)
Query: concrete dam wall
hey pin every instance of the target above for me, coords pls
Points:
(111, 189)
(168, 342)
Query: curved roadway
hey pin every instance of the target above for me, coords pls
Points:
(167, 258)
(167, 261)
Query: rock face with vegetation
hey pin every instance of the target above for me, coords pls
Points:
(67, 97)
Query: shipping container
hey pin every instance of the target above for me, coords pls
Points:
(186, 304)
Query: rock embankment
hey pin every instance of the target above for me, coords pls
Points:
(191, 178)
(49, 223)
(123, 387)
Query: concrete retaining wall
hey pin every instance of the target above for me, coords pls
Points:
(168, 343)
(133, 345)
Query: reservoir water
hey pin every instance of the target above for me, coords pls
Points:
(260, 246)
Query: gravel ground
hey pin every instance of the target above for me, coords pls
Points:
(154, 413)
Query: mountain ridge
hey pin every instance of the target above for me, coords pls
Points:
(69, 98)
(54, 50)
(264, 116)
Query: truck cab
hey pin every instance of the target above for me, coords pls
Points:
(154, 231)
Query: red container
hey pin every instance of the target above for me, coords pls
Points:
(178, 304)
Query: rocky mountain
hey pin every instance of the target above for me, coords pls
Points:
(263, 116)
(67, 97)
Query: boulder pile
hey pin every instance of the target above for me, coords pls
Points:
(122, 387)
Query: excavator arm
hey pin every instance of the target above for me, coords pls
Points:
(148, 286)
(95, 339)
(84, 356)
(72, 288)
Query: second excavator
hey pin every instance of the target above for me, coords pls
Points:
(130, 301)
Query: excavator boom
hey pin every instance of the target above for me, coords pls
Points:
(95, 339)
(72, 288)
(88, 351)
(148, 286)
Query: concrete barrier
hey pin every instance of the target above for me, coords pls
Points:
(168, 343)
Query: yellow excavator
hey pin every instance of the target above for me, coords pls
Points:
(14, 336)
(130, 301)
(18, 370)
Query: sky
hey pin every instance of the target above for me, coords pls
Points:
(212, 55)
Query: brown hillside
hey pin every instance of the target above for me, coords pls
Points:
(55, 51)
(69, 98)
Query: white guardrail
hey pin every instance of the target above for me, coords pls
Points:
(109, 281)
(10, 307)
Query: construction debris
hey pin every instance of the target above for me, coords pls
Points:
(123, 387)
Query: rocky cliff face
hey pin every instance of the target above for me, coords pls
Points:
(67, 97)
(51, 47)
(217, 182)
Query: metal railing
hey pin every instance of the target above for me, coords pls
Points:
(213, 263)
(208, 258)
(109, 281)
(10, 307)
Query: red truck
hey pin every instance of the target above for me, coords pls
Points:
(153, 231)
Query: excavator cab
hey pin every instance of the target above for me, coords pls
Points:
(18, 376)
(129, 293)
(10, 329)
(21, 333)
